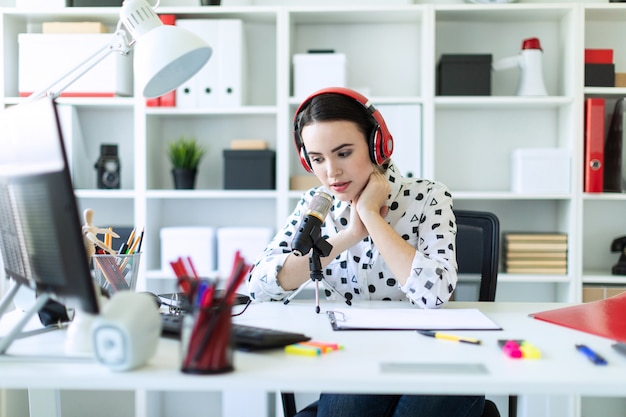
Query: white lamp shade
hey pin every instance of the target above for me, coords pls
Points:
(166, 57)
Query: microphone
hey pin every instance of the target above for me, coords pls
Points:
(310, 227)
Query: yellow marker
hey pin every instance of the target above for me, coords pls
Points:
(298, 349)
(529, 351)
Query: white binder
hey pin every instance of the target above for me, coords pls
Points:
(231, 63)
(220, 82)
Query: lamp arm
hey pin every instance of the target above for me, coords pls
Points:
(118, 43)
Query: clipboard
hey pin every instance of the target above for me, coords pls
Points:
(410, 319)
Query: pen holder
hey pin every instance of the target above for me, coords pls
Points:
(206, 346)
(116, 272)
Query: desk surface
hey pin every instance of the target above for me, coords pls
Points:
(372, 361)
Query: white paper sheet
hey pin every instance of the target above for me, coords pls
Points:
(410, 319)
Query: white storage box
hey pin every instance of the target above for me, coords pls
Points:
(195, 242)
(541, 171)
(44, 58)
(249, 240)
(314, 71)
(47, 4)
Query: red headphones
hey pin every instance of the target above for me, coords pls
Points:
(380, 141)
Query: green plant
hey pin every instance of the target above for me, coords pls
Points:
(185, 153)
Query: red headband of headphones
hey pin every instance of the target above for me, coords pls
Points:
(380, 141)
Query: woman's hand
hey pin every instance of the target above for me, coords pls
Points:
(373, 197)
(370, 200)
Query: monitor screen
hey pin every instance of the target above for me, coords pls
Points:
(40, 227)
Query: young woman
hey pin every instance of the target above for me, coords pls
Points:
(392, 237)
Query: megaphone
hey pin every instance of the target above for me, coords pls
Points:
(529, 61)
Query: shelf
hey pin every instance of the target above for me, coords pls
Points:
(241, 111)
(500, 102)
(604, 196)
(534, 278)
(106, 194)
(591, 277)
(209, 194)
(504, 195)
(94, 102)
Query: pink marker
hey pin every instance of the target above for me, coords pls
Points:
(512, 349)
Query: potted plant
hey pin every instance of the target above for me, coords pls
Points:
(185, 155)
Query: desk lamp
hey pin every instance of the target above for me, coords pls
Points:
(165, 56)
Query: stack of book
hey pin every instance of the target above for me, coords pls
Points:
(535, 253)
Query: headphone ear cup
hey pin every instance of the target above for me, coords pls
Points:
(373, 145)
(386, 144)
(304, 160)
(378, 153)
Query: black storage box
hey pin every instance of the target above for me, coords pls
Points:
(96, 3)
(464, 75)
(599, 75)
(249, 169)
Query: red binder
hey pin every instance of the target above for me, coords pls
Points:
(606, 318)
(594, 145)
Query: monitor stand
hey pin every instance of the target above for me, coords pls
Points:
(16, 331)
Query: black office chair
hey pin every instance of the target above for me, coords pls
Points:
(478, 242)
(477, 255)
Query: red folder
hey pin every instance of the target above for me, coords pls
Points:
(606, 318)
(594, 145)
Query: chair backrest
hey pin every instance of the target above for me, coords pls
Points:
(477, 253)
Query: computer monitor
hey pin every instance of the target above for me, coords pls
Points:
(40, 227)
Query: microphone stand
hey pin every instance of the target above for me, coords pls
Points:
(320, 248)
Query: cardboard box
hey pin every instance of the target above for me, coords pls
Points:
(540, 171)
(74, 27)
(464, 75)
(249, 169)
(303, 182)
(314, 71)
(620, 79)
(601, 292)
(591, 294)
(196, 242)
(248, 144)
(45, 58)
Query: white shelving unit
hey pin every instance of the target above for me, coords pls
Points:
(392, 54)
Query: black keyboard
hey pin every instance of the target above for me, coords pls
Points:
(244, 337)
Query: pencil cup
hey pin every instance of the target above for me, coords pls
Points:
(116, 272)
(207, 347)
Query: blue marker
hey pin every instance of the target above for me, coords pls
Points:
(591, 355)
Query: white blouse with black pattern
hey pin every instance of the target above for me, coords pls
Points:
(419, 210)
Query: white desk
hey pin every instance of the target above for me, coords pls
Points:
(446, 367)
